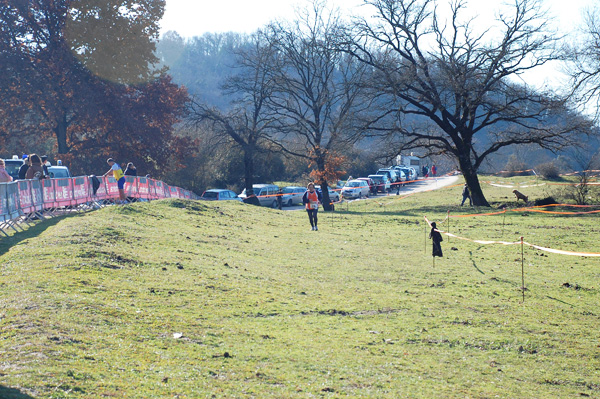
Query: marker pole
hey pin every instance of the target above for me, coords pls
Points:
(448, 217)
(425, 246)
(522, 271)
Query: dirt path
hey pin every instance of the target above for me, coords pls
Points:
(428, 184)
(411, 188)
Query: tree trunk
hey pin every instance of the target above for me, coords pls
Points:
(472, 180)
(249, 175)
(327, 206)
(60, 130)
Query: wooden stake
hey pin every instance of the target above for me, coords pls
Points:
(425, 238)
(448, 217)
(522, 271)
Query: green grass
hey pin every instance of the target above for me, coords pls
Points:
(89, 304)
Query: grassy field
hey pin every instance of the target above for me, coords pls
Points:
(179, 299)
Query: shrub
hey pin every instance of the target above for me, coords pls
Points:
(548, 170)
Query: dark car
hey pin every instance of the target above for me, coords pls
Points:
(381, 182)
(219, 195)
(12, 167)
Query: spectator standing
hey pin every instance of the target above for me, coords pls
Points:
(4, 176)
(280, 199)
(437, 239)
(466, 194)
(311, 199)
(35, 170)
(117, 172)
(130, 170)
(24, 167)
(433, 170)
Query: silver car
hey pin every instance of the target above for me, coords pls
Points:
(292, 195)
(334, 195)
(219, 195)
(355, 189)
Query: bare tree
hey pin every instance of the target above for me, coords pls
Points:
(247, 122)
(585, 62)
(317, 92)
(453, 91)
(586, 162)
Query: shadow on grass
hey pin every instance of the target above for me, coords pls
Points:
(11, 393)
(475, 264)
(6, 243)
(561, 301)
(414, 211)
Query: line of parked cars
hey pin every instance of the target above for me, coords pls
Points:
(362, 187)
(380, 182)
(267, 195)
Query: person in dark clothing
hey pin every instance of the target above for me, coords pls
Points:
(130, 170)
(23, 168)
(45, 164)
(280, 199)
(437, 239)
(466, 194)
(311, 199)
(95, 184)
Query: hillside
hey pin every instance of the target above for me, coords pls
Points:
(182, 299)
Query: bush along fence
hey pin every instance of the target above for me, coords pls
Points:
(25, 200)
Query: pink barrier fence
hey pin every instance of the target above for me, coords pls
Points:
(26, 197)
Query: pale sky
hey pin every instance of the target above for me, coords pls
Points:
(195, 17)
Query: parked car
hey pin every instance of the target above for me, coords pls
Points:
(12, 167)
(370, 182)
(381, 182)
(334, 195)
(408, 173)
(292, 195)
(411, 173)
(392, 174)
(355, 189)
(217, 194)
(58, 171)
(266, 193)
(401, 177)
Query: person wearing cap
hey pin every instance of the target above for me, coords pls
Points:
(117, 172)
